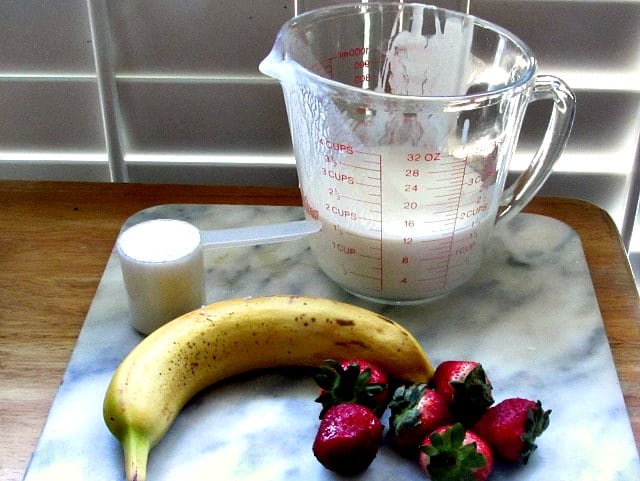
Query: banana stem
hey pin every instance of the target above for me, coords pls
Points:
(136, 452)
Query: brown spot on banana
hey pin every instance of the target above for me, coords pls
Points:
(345, 322)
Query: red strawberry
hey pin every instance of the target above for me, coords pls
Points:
(465, 387)
(352, 380)
(348, 438)
(416, 411)
(452, 454)
(512, 426)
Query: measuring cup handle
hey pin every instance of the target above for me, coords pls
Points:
(522, 190)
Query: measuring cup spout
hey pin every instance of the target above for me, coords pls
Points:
(274, 64)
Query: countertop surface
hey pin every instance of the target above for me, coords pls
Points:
(56, 239)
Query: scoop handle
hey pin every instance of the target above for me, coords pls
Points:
(259, 234)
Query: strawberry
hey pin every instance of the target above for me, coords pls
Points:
(511, 427)
(416, 411)
(348, 438)
(452, 454)
(465, 387)
(352, 380)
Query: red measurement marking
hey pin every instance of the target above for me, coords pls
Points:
(466, 239)
(443, 187)
(368, 153)
(379, 179)
(439, 204)
(356, 199)
(378, 221)
(326, 64)
(434, 255)
(473, 194)
(443, 239)
(375, 162)
(438, 221)
(453, 266)
(437, 270)
(436, 243)
(436, 262)
(369, 162)
(444, 235)
(453, 168)
(362, 238)
(452, 210)
(456, 219)
(449, 179)
(452, 179)
(447, 161)
(365, 276)
(360, 64)
(360, 167)
(365, 256)
(431, 279)
(437, 257)
(448, 198)
(450, 201)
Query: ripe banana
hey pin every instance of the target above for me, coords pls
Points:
(223, 339)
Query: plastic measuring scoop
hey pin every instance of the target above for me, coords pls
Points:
(162, 263)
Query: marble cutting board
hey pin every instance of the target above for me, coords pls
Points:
(530, 316)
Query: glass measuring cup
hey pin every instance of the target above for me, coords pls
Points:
(403, 119)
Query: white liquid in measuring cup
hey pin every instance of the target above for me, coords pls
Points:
(433, 265)
(409, 231)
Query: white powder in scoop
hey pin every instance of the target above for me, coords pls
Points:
(159, 240)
